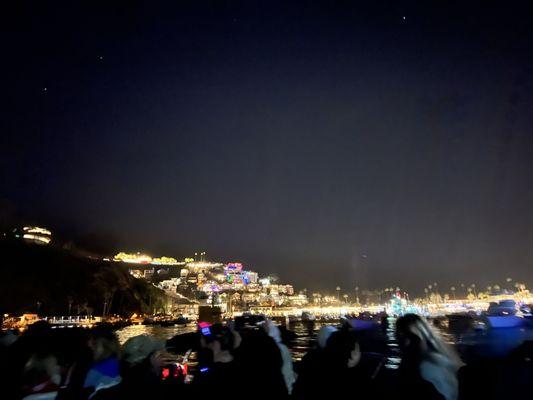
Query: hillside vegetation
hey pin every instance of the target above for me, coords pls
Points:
(52, 281)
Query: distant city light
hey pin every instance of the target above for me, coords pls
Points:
(133, 258)
(165, 261)
(36, 234)
(140, 258)
(37, 238)
(36, 229)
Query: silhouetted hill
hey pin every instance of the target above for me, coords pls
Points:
(49, 278)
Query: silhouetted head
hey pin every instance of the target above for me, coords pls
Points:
(342, 350)
(142, 357)
(220, 340)
(40, 369)
(417, 340)
(324, 334)
(103, 343)
(259, 349)
(412, 333)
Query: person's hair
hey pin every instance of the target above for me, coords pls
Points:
(420, 334)
(39, 368)
(106, 342)
(259, 352)
(223, 335)
(339, 348)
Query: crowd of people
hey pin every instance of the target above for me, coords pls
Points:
(242, 362)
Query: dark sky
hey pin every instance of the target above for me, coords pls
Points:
(372, 143)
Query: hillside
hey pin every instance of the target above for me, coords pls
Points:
(52, 280)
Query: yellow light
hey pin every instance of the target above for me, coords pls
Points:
(38, 238)
(164, 261)
(136, 258)
(36, 229)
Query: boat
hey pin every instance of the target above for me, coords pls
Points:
(363, 321)
(504, 314)
(167, 322)
(181, 320)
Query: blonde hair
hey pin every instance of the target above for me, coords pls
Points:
(39, 367)
(419, 327)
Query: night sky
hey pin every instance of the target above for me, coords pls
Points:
(371, 143)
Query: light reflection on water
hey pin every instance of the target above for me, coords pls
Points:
(306, 334)
(393, 359)
(159, 332)
(305, 337)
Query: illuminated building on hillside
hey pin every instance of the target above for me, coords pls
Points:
(170, 285)
(166, 261)
(133, 258)
(298, 300)
(137, 273)
(210, 287)
(237, 277)
(201, 278)
(252, 276)
(140, 258)
(215, 281)
(264, 281)
(202, 266)
(148, 273)
(233, 268)
(253, 287)
(286, 289)
(35, 234)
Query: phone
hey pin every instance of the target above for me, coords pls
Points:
(205, 328)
